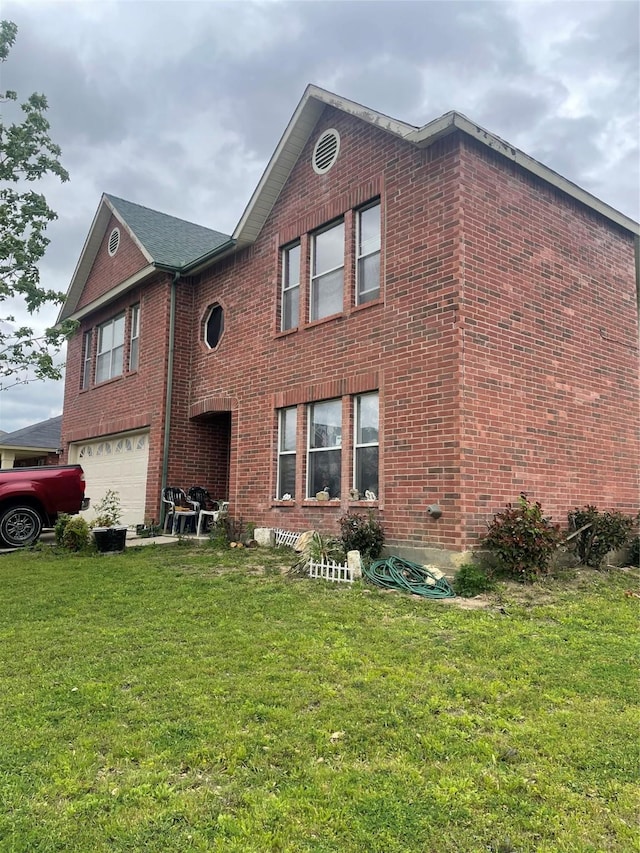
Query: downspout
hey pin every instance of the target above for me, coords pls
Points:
(169, 388)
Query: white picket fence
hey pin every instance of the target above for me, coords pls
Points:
(329, 570)
(286, 537)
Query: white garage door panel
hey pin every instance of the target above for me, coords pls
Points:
(117, 462)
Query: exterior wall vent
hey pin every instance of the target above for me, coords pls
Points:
(325, 152)
(114, 241)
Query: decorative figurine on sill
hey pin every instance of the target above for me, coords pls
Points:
(323, 495)
(370, 496)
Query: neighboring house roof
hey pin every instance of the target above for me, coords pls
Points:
(166, 242)
(44, 436)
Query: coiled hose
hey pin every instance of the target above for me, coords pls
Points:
(396, 573)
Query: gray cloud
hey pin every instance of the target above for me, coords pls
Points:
(179, 105)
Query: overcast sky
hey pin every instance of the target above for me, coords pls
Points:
(179, 105)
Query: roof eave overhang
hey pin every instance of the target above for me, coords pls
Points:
(452, 122)
(89, 252)
(112, 294)
(289, 148)
(25, 448)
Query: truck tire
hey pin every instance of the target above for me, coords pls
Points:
(20, 525)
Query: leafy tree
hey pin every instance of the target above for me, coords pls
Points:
(26, 155)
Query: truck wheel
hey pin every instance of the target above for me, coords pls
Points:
(20, 525)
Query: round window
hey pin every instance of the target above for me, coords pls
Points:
(214, 326)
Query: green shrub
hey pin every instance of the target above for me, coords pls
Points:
(60, 526)
(603, 532)
(634, 552)
(76, 536)
(471, 580)
(522, 540)
(108, 510)
(362, 533)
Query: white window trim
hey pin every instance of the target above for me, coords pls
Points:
(315, 276)
(357, 446)
(87, 344)
(291, 287)
(111, 349)
(310, 450)
(281, 452)
(359, 256)
(134, 336)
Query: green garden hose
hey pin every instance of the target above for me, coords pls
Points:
(396, 573)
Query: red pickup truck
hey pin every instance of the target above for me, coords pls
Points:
(32, 498)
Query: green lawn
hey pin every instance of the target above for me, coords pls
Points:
(171, 699)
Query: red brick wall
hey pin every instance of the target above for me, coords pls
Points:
(135, 399)
(108, 271)
(550, 342)
(504, 348)
(405, 345)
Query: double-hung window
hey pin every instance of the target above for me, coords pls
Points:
(109, 358)
(287, 452)
(134, 349)
(368, 254)
(324, 457)
(85, 380)
(365, 461)
(290, 301)
(327, 272)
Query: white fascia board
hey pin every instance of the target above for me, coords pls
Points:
(290, 146)
(453, 121)
(85, 261)
(20, 448)
(112, 294)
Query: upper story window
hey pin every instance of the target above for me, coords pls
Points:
(366, 443)
(368, 254)
(110, 351)
(327, 272)
(134, 349)
(290, 302)
(214, 326)
(324, 456)
(287, 424)
(85, 379)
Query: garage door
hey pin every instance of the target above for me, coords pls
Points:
(118, 462)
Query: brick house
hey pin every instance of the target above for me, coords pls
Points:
(415, 316)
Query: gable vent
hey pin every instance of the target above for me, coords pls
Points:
(325, 152)
(114, 241)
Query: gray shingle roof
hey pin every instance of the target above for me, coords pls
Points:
(45, 434)
(170, 241)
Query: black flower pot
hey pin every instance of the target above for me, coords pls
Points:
(110, 539)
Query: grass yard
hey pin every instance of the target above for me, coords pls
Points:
(179, 699)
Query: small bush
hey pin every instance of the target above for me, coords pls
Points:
(362, 533)
(471, 580)
(604, 532)
(76, 536)
(108, 510)
(634, 552)
(523, 540)
(60, 526)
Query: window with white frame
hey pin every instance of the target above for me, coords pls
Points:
(287, 422)
(110, 351)
(366, 443)
(290, 301)
(134, 349)
(327, 272)
(85, 379)
(368, 253)
(324, 448)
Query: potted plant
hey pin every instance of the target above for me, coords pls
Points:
(107, 532)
